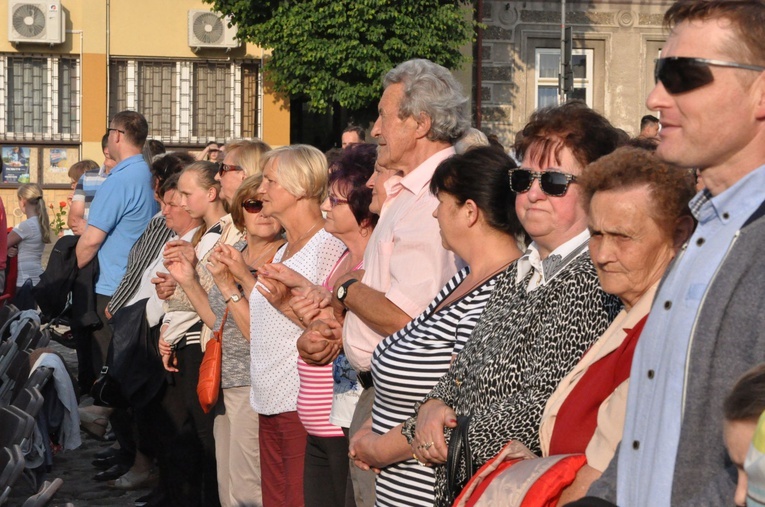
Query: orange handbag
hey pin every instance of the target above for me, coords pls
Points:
(208, 386)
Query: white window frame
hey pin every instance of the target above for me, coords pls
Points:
(586, 82)
(184, 97)
(51, 119)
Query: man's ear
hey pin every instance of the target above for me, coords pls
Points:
(423, 125)
(758, 88)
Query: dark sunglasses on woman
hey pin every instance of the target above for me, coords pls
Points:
(252, 206)
(553, 183)
(224, 168)
(680, 74)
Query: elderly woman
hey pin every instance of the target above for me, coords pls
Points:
(639, 218)
(294, 185)
(476, 215)
(544, 313)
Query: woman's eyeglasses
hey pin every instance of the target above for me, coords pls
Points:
(252, 206)
(334, 200)
(224, 168)
(553, 183)
(680, 74)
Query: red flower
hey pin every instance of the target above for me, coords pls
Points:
(62, 204)
(50, 206)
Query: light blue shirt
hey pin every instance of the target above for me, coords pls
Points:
(121, 208)
(657, 381)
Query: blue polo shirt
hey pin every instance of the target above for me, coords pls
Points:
(122, 208)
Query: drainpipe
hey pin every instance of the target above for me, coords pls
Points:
(479, 67)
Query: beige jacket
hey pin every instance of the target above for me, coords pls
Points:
(608, 432)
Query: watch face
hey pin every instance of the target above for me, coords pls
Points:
(235, 298)
(341, 293)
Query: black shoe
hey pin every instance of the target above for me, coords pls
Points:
(109, 436)
(112, 473)
(107, 453)
(106, 463)
(154, 499)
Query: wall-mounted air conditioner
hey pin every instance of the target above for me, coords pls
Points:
(210, 30)
(36, 22)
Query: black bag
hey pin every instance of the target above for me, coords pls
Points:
(459, 450)
(134, 373)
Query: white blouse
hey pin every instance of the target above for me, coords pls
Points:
(273, 354)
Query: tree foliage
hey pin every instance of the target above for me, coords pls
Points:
(336, 51)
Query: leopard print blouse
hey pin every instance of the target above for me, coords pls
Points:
(523, 345)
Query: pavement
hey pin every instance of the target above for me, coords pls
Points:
(75, 469)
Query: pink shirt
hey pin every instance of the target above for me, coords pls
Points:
(404, 257)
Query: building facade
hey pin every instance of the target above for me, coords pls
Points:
(615, 44)
(59, 84)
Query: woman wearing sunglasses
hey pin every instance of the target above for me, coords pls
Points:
(294, 185)
(235, 425)
(545, 311)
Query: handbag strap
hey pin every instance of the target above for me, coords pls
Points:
(459, 449)
(219, 332)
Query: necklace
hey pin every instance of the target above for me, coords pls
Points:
(268, 248)
(287, 251)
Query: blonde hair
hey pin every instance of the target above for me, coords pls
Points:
(80, 168)
(302, 170)
(32, 193)
(248, 155)
(205, 175)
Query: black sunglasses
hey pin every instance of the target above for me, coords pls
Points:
(252, 206)
(553, 183)
(680, 74)
(224, 168)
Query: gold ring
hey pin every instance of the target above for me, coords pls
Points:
(417, 460)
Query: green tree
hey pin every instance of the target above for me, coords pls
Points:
(334, 52)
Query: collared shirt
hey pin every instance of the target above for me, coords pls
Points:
(657, 379)
(122, 208)
(404, 257)
(532, 260)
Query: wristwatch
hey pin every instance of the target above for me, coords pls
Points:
(234, 297)
(342, 291)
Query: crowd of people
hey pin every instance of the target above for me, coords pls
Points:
(399, 314)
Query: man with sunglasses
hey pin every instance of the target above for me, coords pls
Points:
(705, 328)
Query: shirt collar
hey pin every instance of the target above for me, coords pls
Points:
(737, 199)
(568, 251)
(416, 180)
(124, 163)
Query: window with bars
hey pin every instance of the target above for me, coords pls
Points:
(40, 98)
(189, 101)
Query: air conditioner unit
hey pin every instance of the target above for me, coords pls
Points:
(37, 22)
(210, 30)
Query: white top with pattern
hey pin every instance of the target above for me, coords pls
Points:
(273, 354)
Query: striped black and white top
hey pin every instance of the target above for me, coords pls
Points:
(406, 365)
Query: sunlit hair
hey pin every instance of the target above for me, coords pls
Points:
(33, 194)
(248, 155)
(746, 401)
(247, 190)
(204, 173)
(480, 174)
(301, 170)
(472, 138)
(626, 168)
(572, 125)
(351, 172)
(747, 18)
(431, 89)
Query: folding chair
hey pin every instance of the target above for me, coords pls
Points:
(30, 400)
(16, 426)
(11, 468)
(45, 494)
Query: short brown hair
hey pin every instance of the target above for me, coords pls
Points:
(80, 168)
(746, 401)
(135, 126)
(247, 190)
(572, 125)
(627, 167)
(747, 18)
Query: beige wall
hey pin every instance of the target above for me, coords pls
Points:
(130, 28)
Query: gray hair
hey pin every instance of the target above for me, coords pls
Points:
(431, 89)
(473, 138)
